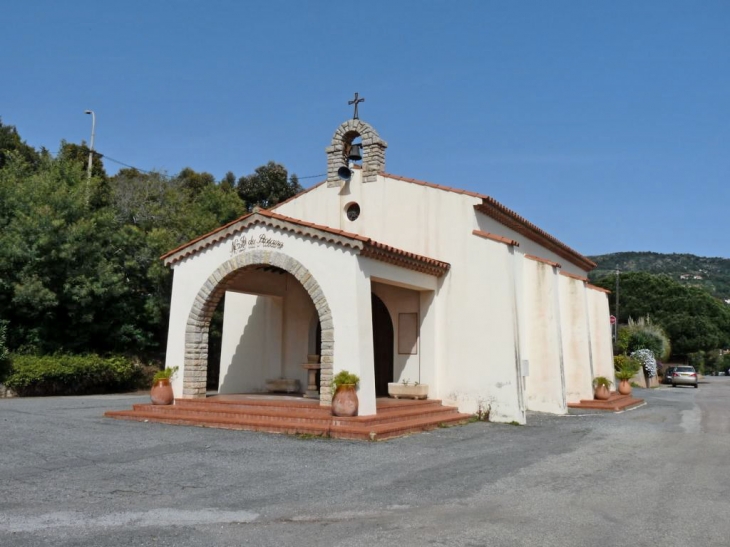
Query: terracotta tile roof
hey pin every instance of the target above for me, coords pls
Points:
(436, 186)
(366, 246)
(495, 237)
(597, 288)
(573, 276)
(544, 261)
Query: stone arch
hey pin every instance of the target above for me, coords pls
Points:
(373, 151)
(196, 331)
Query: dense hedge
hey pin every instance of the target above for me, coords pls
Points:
(4, 353)
(32, 375)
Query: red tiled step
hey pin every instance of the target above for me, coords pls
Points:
(321, 415)
(342, 430)
(408, 413)
(400, 428)
(222, 411)
(222, 422)
(391, 420)
(614, 403)
(301, 405)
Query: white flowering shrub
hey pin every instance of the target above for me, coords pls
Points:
(646, 358)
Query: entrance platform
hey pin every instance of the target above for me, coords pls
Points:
(614, 403)
(298, 416)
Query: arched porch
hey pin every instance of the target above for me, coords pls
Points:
(210, 294)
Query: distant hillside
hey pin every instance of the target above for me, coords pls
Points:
(710, 273)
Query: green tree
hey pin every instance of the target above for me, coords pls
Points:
(79, 262)
(267, 186)
(692, 318)
(79, 154)
(228, 182)
(11, 143)
(64, 266)
(712, 274)
(160, 213)
(195, 182)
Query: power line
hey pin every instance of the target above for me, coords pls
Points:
(312, 176)
(127, 165)
(169, 177)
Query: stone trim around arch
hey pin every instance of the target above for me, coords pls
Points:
(373, 151)
(196, 331)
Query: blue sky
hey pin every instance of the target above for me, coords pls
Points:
(605, 123)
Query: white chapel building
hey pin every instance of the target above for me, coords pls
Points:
(393, 279)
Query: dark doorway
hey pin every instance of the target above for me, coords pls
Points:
(382, 346)
(318, 339)
(318, 351)
(215, 343)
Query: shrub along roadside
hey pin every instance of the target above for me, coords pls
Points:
(4, 354)
(32, 375)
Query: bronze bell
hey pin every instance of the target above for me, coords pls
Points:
(355, 154)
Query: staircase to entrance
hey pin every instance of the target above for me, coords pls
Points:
(615, 403)
(298, 416)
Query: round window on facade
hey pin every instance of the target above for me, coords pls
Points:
(353, 211)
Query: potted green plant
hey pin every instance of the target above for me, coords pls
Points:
(161, 392)
(624, 386)
(405, 389)
(601, 386)
(344, 389)
(626, 368)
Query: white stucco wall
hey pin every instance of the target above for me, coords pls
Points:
(339, 274)
(478, 347)
(251, 348)
(576, 340)
(297, 319)
(545, 385)
(601, 338)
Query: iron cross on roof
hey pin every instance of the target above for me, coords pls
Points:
(356, 101)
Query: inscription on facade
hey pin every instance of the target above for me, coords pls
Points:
(242, 243)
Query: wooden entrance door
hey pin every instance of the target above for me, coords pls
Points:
(382, 347)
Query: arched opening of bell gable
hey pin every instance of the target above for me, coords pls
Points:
(266, 343)
(338, 153)
(352, 139)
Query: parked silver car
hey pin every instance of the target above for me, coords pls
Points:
(684, 376)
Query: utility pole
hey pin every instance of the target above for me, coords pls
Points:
(91, 150)
(618, 274)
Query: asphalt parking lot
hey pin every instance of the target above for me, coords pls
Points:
(651, 476)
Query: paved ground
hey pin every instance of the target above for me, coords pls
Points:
(658, 475)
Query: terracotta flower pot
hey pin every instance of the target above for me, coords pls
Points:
(624, 387)
(161, 392)
(345, 402)
(601, 393)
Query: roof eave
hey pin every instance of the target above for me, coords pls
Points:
(493, 209)
(365, 246)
